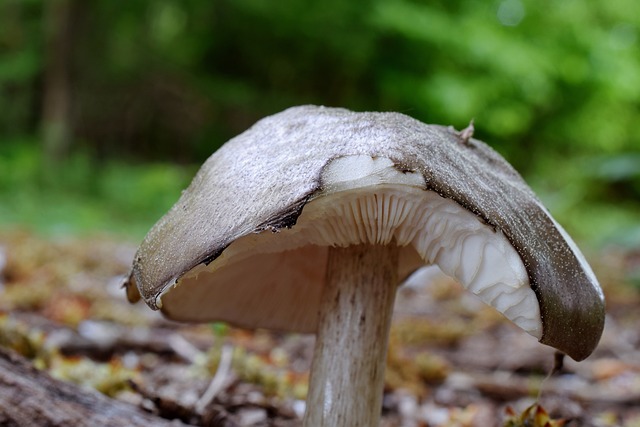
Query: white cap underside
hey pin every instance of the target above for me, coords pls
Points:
(276, 277)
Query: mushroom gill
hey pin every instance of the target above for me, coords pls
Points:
(363, 200)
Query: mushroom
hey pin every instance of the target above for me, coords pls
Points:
(309, 220)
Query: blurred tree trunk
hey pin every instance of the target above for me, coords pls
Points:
(56, 113)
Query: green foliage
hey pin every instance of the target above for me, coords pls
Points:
(21, 60)
(553, 87)
(123, 199)
(537, 78)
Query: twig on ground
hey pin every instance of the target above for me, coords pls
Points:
(218, 380)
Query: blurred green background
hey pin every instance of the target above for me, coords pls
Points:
(107, 108)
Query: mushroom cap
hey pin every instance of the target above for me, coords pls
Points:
(259, 187)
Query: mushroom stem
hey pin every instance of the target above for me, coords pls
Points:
(347, 373)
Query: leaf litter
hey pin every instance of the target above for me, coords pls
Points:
(452, 361)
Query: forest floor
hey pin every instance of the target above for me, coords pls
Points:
(452, 361)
